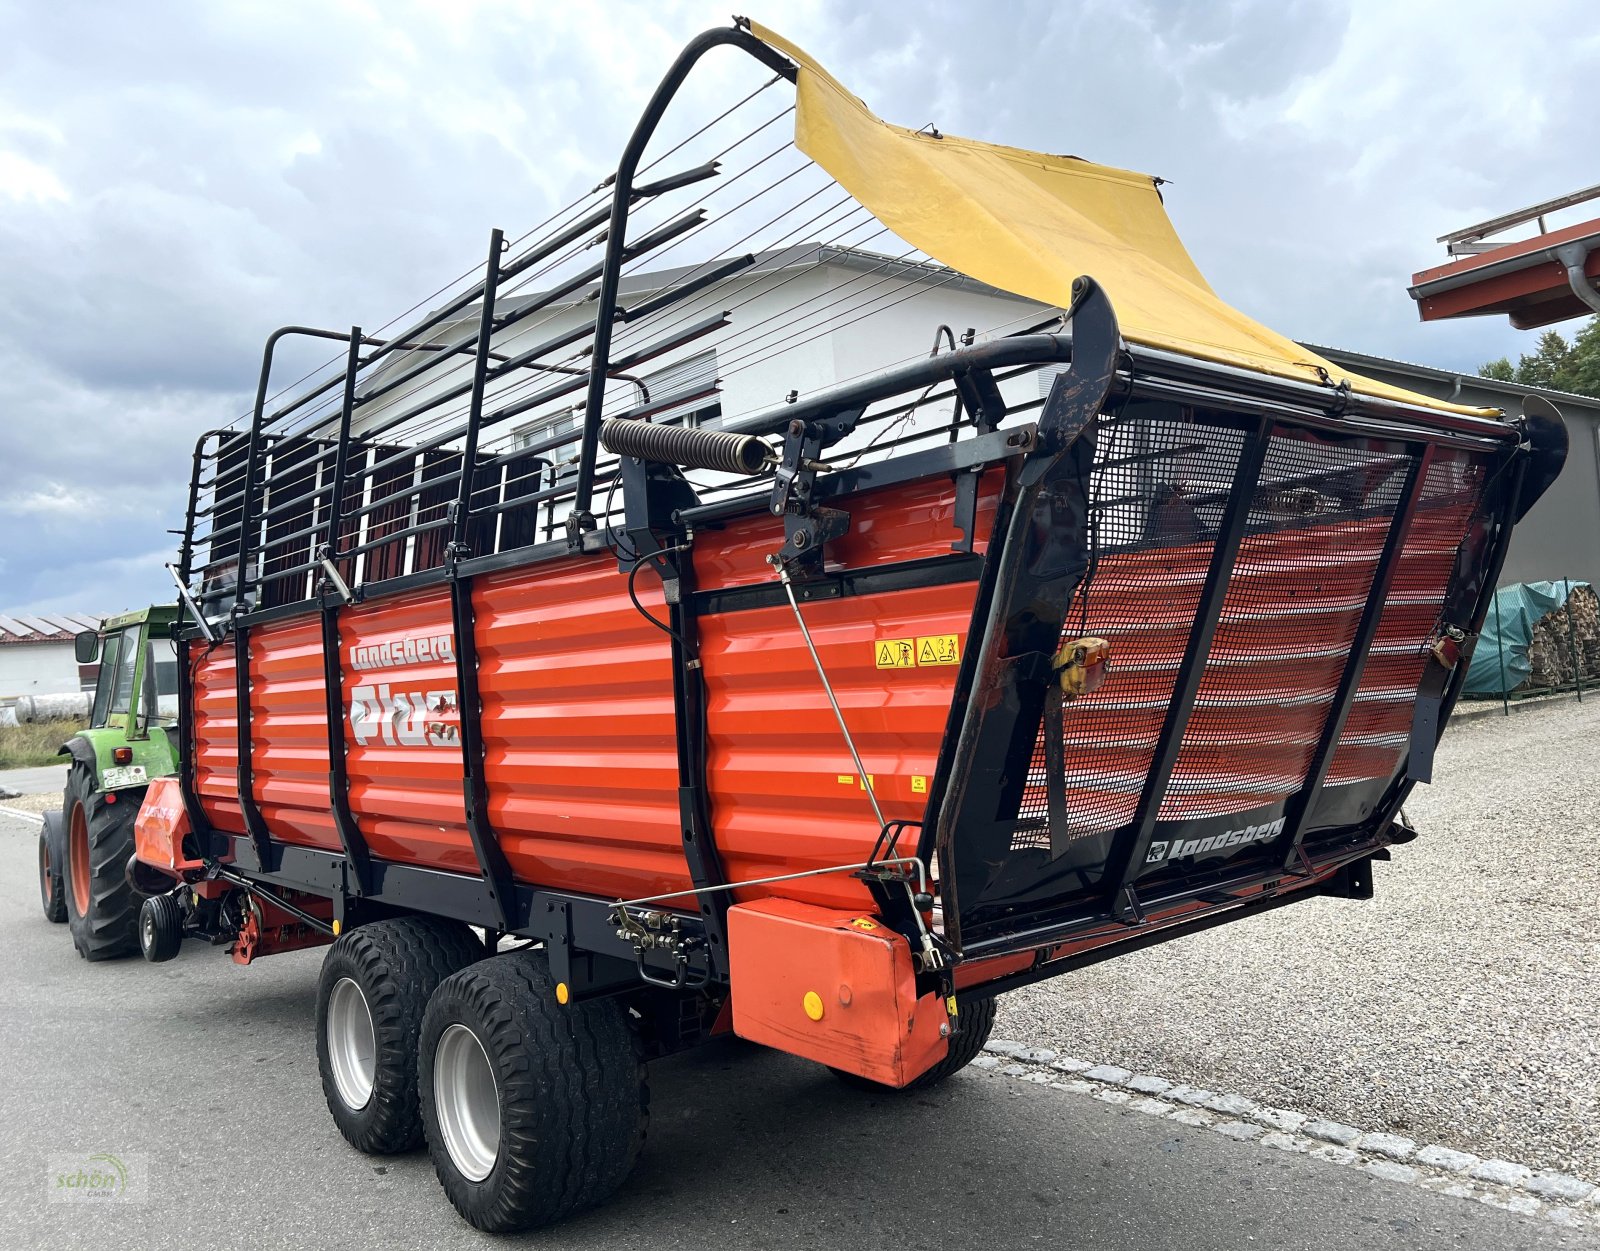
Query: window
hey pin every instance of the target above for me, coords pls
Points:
(161, 681)
(561, 458)
(108, 671)
(127, 662)
(685, 391)
(547, 427)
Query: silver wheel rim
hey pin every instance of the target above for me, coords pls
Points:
(468, 1103)
(352, 1044)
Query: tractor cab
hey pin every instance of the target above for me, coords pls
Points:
(86, 850)
(137, 689)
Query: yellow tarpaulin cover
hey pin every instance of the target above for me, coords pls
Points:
(1030, 224)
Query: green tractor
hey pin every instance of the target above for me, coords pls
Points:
(85, 849)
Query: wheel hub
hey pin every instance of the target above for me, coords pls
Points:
(78, 859)
(352, 1044)
(468, 1102)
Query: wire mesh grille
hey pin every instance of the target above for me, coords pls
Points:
(1305, 566)
(1157, 494)
(1299, 583)
(1377, 733)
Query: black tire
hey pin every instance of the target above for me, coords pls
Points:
(51, 890)
(977, 1023)
(395, 964)
(569, 1085)
(102, 910)
(160, 928)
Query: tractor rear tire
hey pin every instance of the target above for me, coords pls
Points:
(534, 1109)
(977, 1023)
(52, 892)
(375, 984)
(102, 910)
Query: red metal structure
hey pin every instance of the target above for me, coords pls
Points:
(814, 725)
(1549, 277)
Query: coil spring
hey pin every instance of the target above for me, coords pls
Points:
(716, 450)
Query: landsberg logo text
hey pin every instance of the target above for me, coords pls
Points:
(408, 650)
(1178, 848)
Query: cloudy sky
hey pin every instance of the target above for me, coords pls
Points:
(176, 180)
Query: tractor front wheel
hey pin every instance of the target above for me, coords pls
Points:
(102, 910)
(52, 892)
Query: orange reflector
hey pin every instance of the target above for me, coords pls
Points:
(122, 755)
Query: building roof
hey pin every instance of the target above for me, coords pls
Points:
(1547, 278)
(50, 627)
(799, 255)
(1364, 360)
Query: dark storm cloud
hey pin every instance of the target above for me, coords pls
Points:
(178, 179)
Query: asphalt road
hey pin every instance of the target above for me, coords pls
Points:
(43, 778)
(201, 1077)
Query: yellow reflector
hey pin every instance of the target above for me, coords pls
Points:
(562, 993)
(337, 928)
(813, 1005)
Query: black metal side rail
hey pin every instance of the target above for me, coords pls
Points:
(1223, 892)
(579, 931)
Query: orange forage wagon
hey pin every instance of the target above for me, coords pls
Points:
(617, 656)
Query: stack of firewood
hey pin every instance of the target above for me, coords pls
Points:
(1566, 642)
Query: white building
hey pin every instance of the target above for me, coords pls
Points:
(36, 656)
(798, 320)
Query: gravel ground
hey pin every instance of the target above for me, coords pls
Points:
(1459, 1006)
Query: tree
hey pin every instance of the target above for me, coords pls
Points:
(1555, 363)
(1581, 374)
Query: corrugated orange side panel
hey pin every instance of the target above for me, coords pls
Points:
(402, 741)
(578, 728)
(289, 732)
(914, 521)
(785, 794)
(578, 718)
(216, 755)
(784, 791)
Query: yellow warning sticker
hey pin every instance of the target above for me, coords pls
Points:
(926, 650)
(847, 779)
(919, 783)
(939, 649)
(861, 923)
(895, 653)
